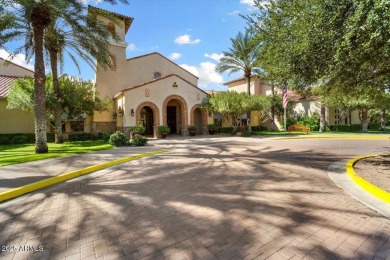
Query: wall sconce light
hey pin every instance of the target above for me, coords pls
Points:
(114, 115)
(120, 111)
(132, 112)
(174, 85)
(210, 114)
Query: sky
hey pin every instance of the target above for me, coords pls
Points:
(192, 33)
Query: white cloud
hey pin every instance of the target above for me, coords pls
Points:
(236, 12)
(247, 2)
(19, 59)
(215, 56)
(251, 3)
(131, 47)
(175, 56)
(186, 39)
(206, 73)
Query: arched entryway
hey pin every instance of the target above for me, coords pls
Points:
(175, 114)
(147, 114)
(199, 119)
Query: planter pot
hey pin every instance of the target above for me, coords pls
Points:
(211, 132)
(164, 135)
(192, 133)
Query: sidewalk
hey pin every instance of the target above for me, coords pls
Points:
(17, 175)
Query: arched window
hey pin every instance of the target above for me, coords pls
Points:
(111, 28)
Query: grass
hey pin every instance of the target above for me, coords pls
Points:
(13, 154)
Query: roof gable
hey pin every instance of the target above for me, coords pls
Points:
(162, 56)
(14, 64)
(156, 80)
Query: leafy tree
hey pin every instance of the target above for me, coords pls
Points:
(77, 97)
(241, 57)
(28, 20)
(230, 104)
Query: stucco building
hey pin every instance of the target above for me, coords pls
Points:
(301, 105)
(149, 89)
(13, 120)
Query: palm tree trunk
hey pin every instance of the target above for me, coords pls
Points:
(248, 115)
(57, 111)
(323, 119)
(364, 119)
(273, 109)
(383, 119)
(39, 89)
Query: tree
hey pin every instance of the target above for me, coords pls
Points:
(241, 57)
(85, 37)
(28, 19)
(230, 104)
(77, 97)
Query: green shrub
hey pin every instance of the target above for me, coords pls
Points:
(213, 127)
(106, 136)
(226, 130)
(118, 139)
(246, 134)
(138, 140)
(19, 139)
(259, 128)
(164, 129)
(374, 126)
(138, 129)
(191, 128)
(346, 128)
(82, 137)
(28, 138)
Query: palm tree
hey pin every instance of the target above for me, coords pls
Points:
(85, 37)
(28, 20)
(241, 57)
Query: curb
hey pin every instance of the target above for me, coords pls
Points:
(348, 137)
(16, 192)
(362, 183)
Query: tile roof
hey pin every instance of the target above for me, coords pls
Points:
(237, 80)
(4, 83)
(128, 20)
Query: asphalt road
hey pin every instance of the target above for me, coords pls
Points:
(220, 197)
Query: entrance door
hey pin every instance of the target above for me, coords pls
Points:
(147, 120)
(171, 118)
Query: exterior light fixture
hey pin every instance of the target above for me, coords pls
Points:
(210, 114)
(114, 115)
(132, 112)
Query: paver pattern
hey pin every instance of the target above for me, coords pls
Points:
(217, 198)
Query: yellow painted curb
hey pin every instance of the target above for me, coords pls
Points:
(348, 137)
(12, 193)
(362, 183)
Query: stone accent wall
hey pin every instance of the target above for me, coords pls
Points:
(101, 127)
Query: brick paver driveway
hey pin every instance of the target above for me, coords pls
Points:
(225, 198)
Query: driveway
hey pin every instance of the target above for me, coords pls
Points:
(221, 197)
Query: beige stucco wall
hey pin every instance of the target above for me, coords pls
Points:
(306, 107)
(158, 92)
(15, 120)
(241, 86)
(13, 70)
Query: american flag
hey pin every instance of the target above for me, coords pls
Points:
(285, 100)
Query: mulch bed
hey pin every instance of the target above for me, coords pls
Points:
(375, 170)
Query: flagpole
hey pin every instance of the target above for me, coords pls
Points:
(285, 125)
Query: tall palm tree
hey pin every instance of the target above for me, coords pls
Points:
(28, 19)
(241, 57)
(85, 37)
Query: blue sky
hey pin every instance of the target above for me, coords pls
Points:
(192, 33)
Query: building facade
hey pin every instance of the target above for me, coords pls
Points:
(13, 120)
(150, 90)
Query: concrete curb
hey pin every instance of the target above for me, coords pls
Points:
(16, 192)
(347, 137)
(362, 183)
(337, 173)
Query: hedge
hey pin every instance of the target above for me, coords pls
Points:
(28, 138)
(346, 128)
(82, 137)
